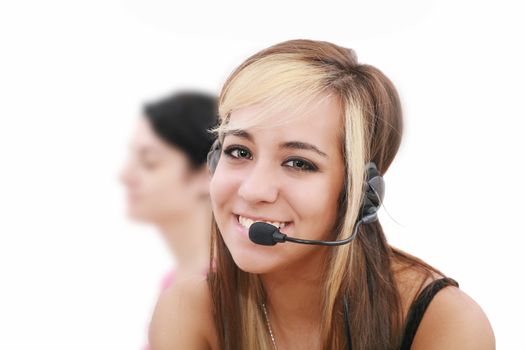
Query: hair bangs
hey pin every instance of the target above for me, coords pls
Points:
(282, 85)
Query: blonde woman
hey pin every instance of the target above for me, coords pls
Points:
(304, 128)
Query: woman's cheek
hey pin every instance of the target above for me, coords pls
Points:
(221, 189)
(214, 193)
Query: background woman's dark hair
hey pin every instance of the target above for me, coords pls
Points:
(183, 120)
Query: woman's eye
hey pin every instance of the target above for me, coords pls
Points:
(148, 164)
(301, 164)
(237, 152)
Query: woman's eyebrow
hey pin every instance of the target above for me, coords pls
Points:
(145, 151)
(285, 145)
(240, 133)
(303, 146)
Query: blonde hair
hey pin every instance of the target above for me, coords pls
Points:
(294, 73)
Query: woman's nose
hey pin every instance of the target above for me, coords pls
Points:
(259, 185)
(125, 176)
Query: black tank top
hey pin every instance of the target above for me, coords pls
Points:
(416, 311)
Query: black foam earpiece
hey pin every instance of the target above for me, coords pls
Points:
(374, 194)
(213, 155)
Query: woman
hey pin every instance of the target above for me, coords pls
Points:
(167, 177)
(303, 124)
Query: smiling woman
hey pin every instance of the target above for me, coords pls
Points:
(287, 174)
(301, 123)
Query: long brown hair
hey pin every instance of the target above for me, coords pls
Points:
(291, 73)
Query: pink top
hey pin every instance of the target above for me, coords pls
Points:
(166, 281)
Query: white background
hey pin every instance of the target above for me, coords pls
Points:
(75, 274)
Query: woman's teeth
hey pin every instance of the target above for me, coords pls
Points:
(245, 222)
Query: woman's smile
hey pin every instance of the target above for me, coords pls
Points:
(243, 223)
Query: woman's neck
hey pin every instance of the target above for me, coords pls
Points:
(188, 238)
(294, 299)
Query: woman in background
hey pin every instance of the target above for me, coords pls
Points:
(306, 132)
(167, 179)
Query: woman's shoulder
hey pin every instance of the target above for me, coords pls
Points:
(183, 317)
(452, 319)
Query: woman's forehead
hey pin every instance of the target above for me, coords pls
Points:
(319, 126)
(267, 115)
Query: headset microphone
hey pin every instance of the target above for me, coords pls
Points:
(265, 234)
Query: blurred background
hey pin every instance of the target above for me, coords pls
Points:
(77, 274)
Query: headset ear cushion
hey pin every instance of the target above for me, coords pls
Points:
(213, 156)
(374, 193)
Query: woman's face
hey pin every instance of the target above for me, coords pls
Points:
(157, 177)
(290, 175)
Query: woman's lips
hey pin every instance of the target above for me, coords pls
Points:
(133, 198)
(241, 229)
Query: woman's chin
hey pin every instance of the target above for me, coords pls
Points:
(135, 215)
(253, 263)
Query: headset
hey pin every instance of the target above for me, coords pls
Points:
(214, 155)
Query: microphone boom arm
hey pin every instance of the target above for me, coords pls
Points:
(279, 237)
